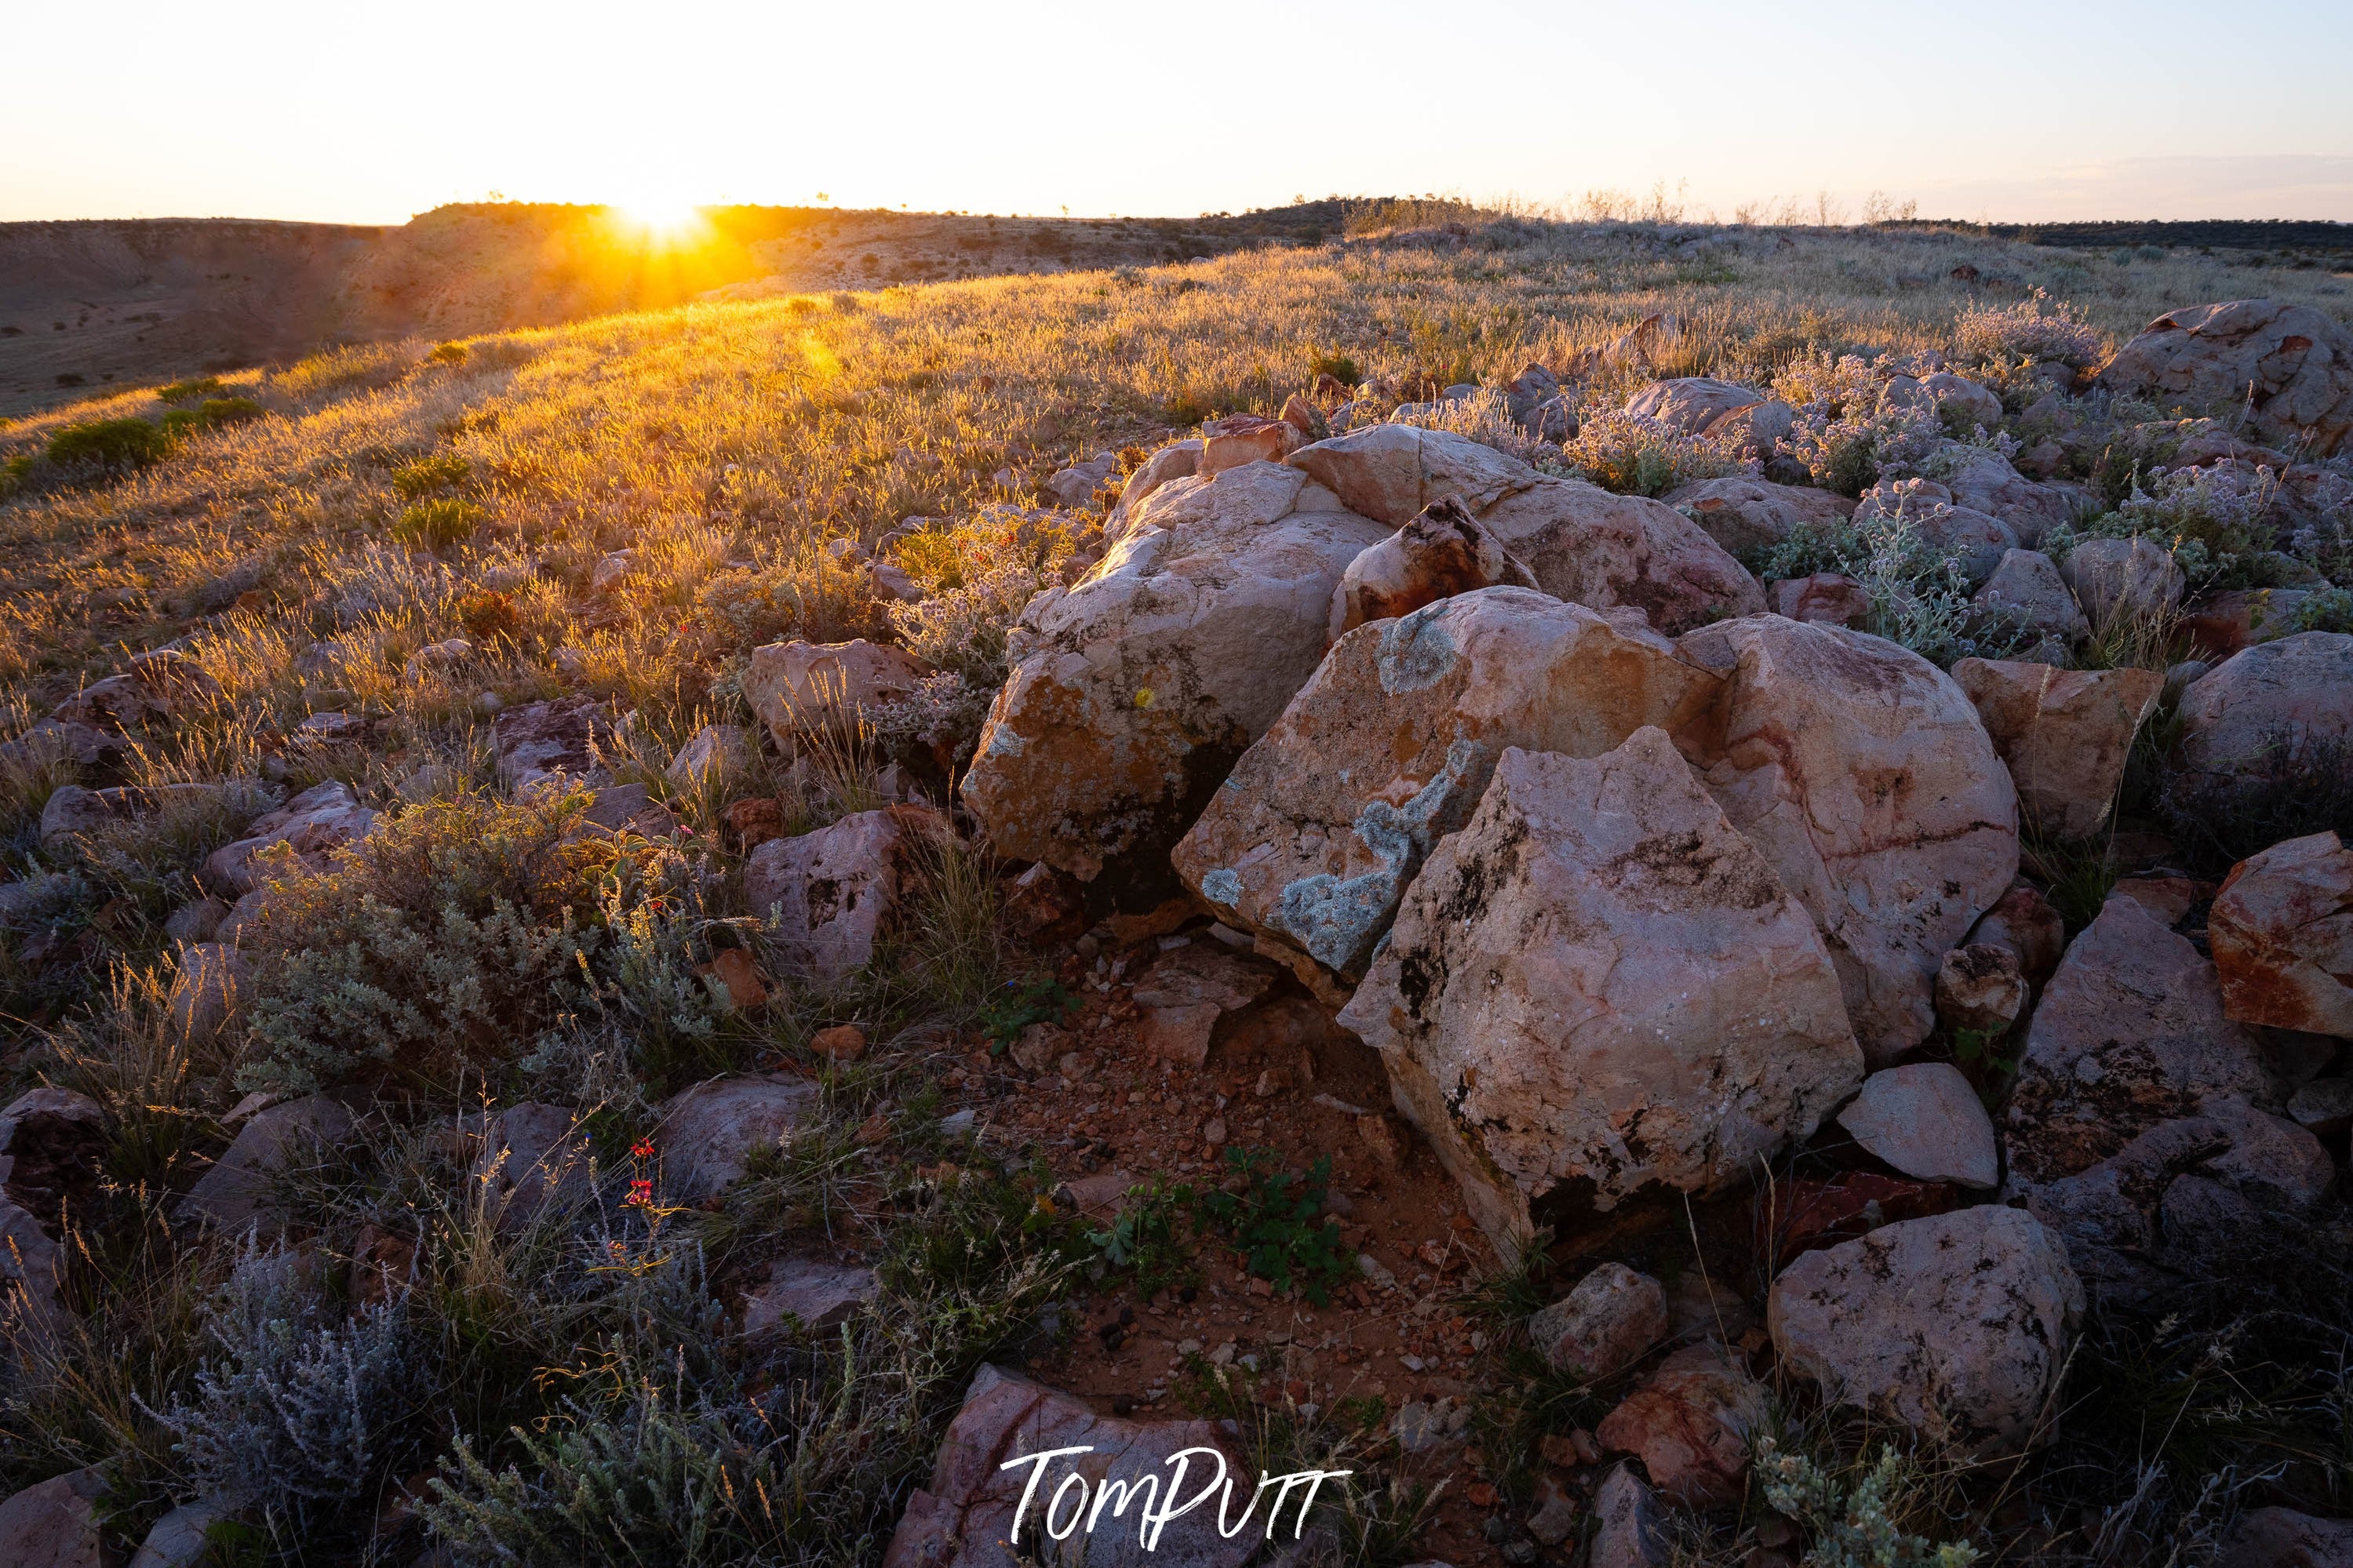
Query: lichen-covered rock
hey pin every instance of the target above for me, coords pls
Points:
(2129, 1033)
(793, 687)
(835, 893)
(1748, 517)
(1862, 775)
(2291, 363)
(1596, 987)
(2288, 693)
(2281, 931)
(708, 1132)
(1328, 817)
(1926, 1120)
(55, 1524)
(1604, 1325)
(1982, 987)
(1956, 1326)
(1134, 691)
(1444, 551)
(2064, 733)
(1689, 1422)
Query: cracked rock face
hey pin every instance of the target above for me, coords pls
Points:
(1325, 821)
(1863, 776)
(1134, 691)
(2065, 735)
(2282, 933)
(1956, 1325)
(1597, 987)
(2291, 363)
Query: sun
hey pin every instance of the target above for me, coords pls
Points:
(661, 216)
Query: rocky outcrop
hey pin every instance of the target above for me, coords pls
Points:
(2293, 364)
(835, 893)
(1925, 1119)
(1748, 517)
(2024, 922)
(1326, 819)
(2281, 931)
(1984, 482)
(1596, 987)
(1974, 541)
(2283, 694)
(1956, 1326)
(1861, 774)
(793, 687)
(1444, 551)
(1982, 987)
(1134, 691)
(2065, 735)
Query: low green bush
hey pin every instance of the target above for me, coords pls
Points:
(114, 444)
(438, 524)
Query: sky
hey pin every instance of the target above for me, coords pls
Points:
(1997, 111)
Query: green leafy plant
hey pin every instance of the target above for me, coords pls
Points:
(438, 524)
(113, 443)
(423, 477)
(1149, 1237)
(1022, 1004)
(194, 390)
(211, 413)
(1273, 1222)
(1851, 1519)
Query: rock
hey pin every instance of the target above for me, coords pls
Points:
(1974, 541)
(1689, 1425)
(1329, 816)
(2176, 1195)
(1925, 1120)
(708, 1132)
(1304, 416)
(1627, 1531)
(447, 654)
(1531, 389)
(1749, 517)
(1958, 395)
(542, 740)
(531, 1153)
(2324, 1107)
(52, 1144)
(314, 824)
(2282, 934)
(889, 581)
(1830, 597)
(1444, 551)
(2022, 920)
(2065, 735)
(1180, 461)
(1756, 433)
(157, 686)
(2026, 589)
(178, 1539)
(1596, 987)
(797, 687)
(965, 1517)
(630, 808)
(2292, 364)
(1240, 438)
(209, 986)
(2219, 623)
(54, 1523)
(73, 811)
(1552, 1519)
(2130, 1032)
(1863, 776)
(1594, 548)
(32, 1273)
(1039, 1046)
(2282, 1538)
(195, 921)
(1955, 1326)
(1186, 995)
(813, 1295)
(1074, 486)
(1604, 1325)
(272, 1141)
(1134, 691)
(2293, 692)
(1435, 1426)
(834, 892)
(1982, 987)
(51, 740)
(1390, 472)
(841, 1043)
(713, 757)
(2113, 577)
(1984, 482)
(1691, 403)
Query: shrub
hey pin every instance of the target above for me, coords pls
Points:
(438, 524)
(447, 354)
(2035, 328)
(2215, 522)
(487, 614)
(1276, 1222)
(811, 596)
(1340, 367)
(423, 477)
(1918, 596)
(1636, 455)
(1853, 1521)
(113, 443)
(2295, 784)
(211, 413)
(191, 391)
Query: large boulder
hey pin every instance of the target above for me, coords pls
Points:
(55, 1524)
(2116, 577)
(1081, 1467)
(1863, 776)
(835, 893)
(2129, 1033)
(2282, 1538)
(2282, 934)
(2026, 591)
(2064, 733)
(1831, 597)
(1327, 818)
(1691, 403)
(1748, 516)
(2293, 364)
(314, 824)
(1955, 1326)
(1389, 472)
(1134, 691)
(2288, 693)
(1444, 551)
(708, 1131)
(1180, 461)
(795, 687)
(1597, 987)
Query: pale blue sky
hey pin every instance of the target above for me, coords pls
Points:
(2002, 109)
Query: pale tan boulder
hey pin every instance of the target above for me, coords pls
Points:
(1865, 779)
(1326, 819)
(1748, 517)
(796, 687)
(1240, 438)
(1982, 987)
(1181, 460)
(2065, 735)
(2293, 364)
(835, 893)
(714, 756)
(1955, 1326)
(2282, 934)
(1594, 548)
(1597, 987)
(1389, 472)
(1134, 691)
(1691, 403)
(1444, 551)
(1831, 597)
(2293, 692)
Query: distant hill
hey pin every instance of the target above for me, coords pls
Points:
(2295, 242)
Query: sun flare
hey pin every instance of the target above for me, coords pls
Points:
(662, 217)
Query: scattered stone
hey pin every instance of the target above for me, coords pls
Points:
(797, 687)
(2022, 920)
(2282, 1538)
(2292, 364)
(1593, 946)
(447, 653)
(207, 989)
(1604, 1325)
(630, 808)
(2115, 577)
(1982, 987)
(1955, 1326)
(708, 1130)
(540, 741)
(2324, 1107)
(73, 811)
(178, 1539)
(331, 729)
(1444, 551)
(54, 1523)
(738, 977)
(1831, 597)
(834, 892)
(1431, 1426)
(1187, 993)
(1326, 819)
(1627, 1532)
(1689, 1424)
(1983, 480)
(1974, 541)
(2282, 934)
(230, 1194)
(52, 1141)
(2065, 735)
(1554, 1517)
(1074, 486)
(841, 1043)
(1925, 1120)
(1749, 517)
(808, 1294)
(2026, 587)
(2293, 692)
(715, 755)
